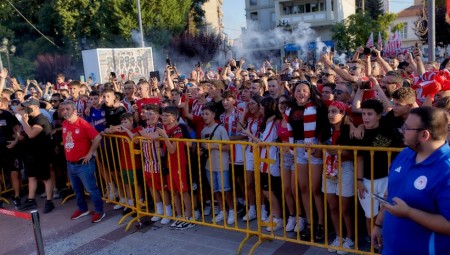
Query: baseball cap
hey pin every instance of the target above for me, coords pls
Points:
(31, 101)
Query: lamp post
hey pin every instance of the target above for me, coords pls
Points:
(11, 50)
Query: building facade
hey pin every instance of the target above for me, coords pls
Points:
(266, 16)
(213, 21)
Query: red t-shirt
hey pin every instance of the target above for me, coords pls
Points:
(77, 139)
(125, 151)
(176, 160)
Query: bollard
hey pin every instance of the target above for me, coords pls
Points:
(37, 232)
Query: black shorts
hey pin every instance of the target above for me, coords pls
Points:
(37, 166)
(9, 160)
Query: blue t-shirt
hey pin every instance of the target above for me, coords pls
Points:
(424, 186)
(97, 119)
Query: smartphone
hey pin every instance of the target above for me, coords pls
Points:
(381, 199)
(155, 74)
(238, 63)
(168, 62)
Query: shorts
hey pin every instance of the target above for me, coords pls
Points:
(275, 183)
(130, 180)
(37, 166)
(177, 180)
(348, 182)
(379, 188)
(154, 181)
(216, 180)
(302, 154)
(238, 170)
(9, 160)
(249, 162)
(288, 161)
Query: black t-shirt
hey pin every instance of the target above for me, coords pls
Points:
(40, 144)
(378, 137)
(57, 123)
(7, 122)
(219, 109)
(295, 118)
(391, 122)
(112, 115)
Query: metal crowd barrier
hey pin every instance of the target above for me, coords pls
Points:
(135, 169)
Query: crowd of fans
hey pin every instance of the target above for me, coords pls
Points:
(364, 102)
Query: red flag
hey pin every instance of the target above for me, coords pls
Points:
(369, 43)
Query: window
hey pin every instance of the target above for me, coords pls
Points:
(322, 6)
(404, 31)
(307, 8)
(314, 7)
(253, 2)
(254, 16)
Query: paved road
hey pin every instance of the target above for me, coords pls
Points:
(65, 236)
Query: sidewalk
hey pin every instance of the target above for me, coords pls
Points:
(65, 236)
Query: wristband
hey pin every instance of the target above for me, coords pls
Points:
(376, 225)
(360, 179)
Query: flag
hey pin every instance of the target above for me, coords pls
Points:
(398, 41)
(380, 42)
(369, 43)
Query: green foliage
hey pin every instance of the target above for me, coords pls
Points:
(442, 28)
(355, 30)
(200, 46)
(374, 8)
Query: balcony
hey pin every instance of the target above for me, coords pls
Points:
(317, 13)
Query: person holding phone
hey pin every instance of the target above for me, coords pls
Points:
(418, 219)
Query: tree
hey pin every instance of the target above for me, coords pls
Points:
(442, 29)
(374, 8)
(355, 30)
(200, 46)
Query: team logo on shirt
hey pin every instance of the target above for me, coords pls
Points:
(77, 131)
(421, 182)
(68, 145)
(103, 113)
(64, 130)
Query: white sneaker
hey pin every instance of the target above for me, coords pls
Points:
(175, 223)
(165, 221)
(117, 207)
(230, 219)
(264, 215)
(348, 244)
(155, 218)
(207, 210)
(290, 225)
(335, 243)
(197, 214)
(300, 226)
(275, 225)
(219, 217)
(44, 195)
(251, 214)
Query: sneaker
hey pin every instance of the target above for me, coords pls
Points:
(117, 207)
(305, 234)
(165, 221)
(44, 195)
(290, 225)
(175, 223)
(29, 204)
(78, 214)
(17, 202)
(49, 206)
(207, 210)
(335, 243)
(275, 225)
(319, 233)
(251, 215)
(264, 215)
(348, 244)
(97, 217)
(185, 225)
(300, 225)
(219, 217)
(56, 194)
(155, 218)
(197, 215)
(230, 219)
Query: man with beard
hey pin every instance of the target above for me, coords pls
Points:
(415, 219)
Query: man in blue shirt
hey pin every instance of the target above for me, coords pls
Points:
(416, 217)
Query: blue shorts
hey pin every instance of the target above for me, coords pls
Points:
(216, 181)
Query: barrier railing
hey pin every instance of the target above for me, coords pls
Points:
(176, 187)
